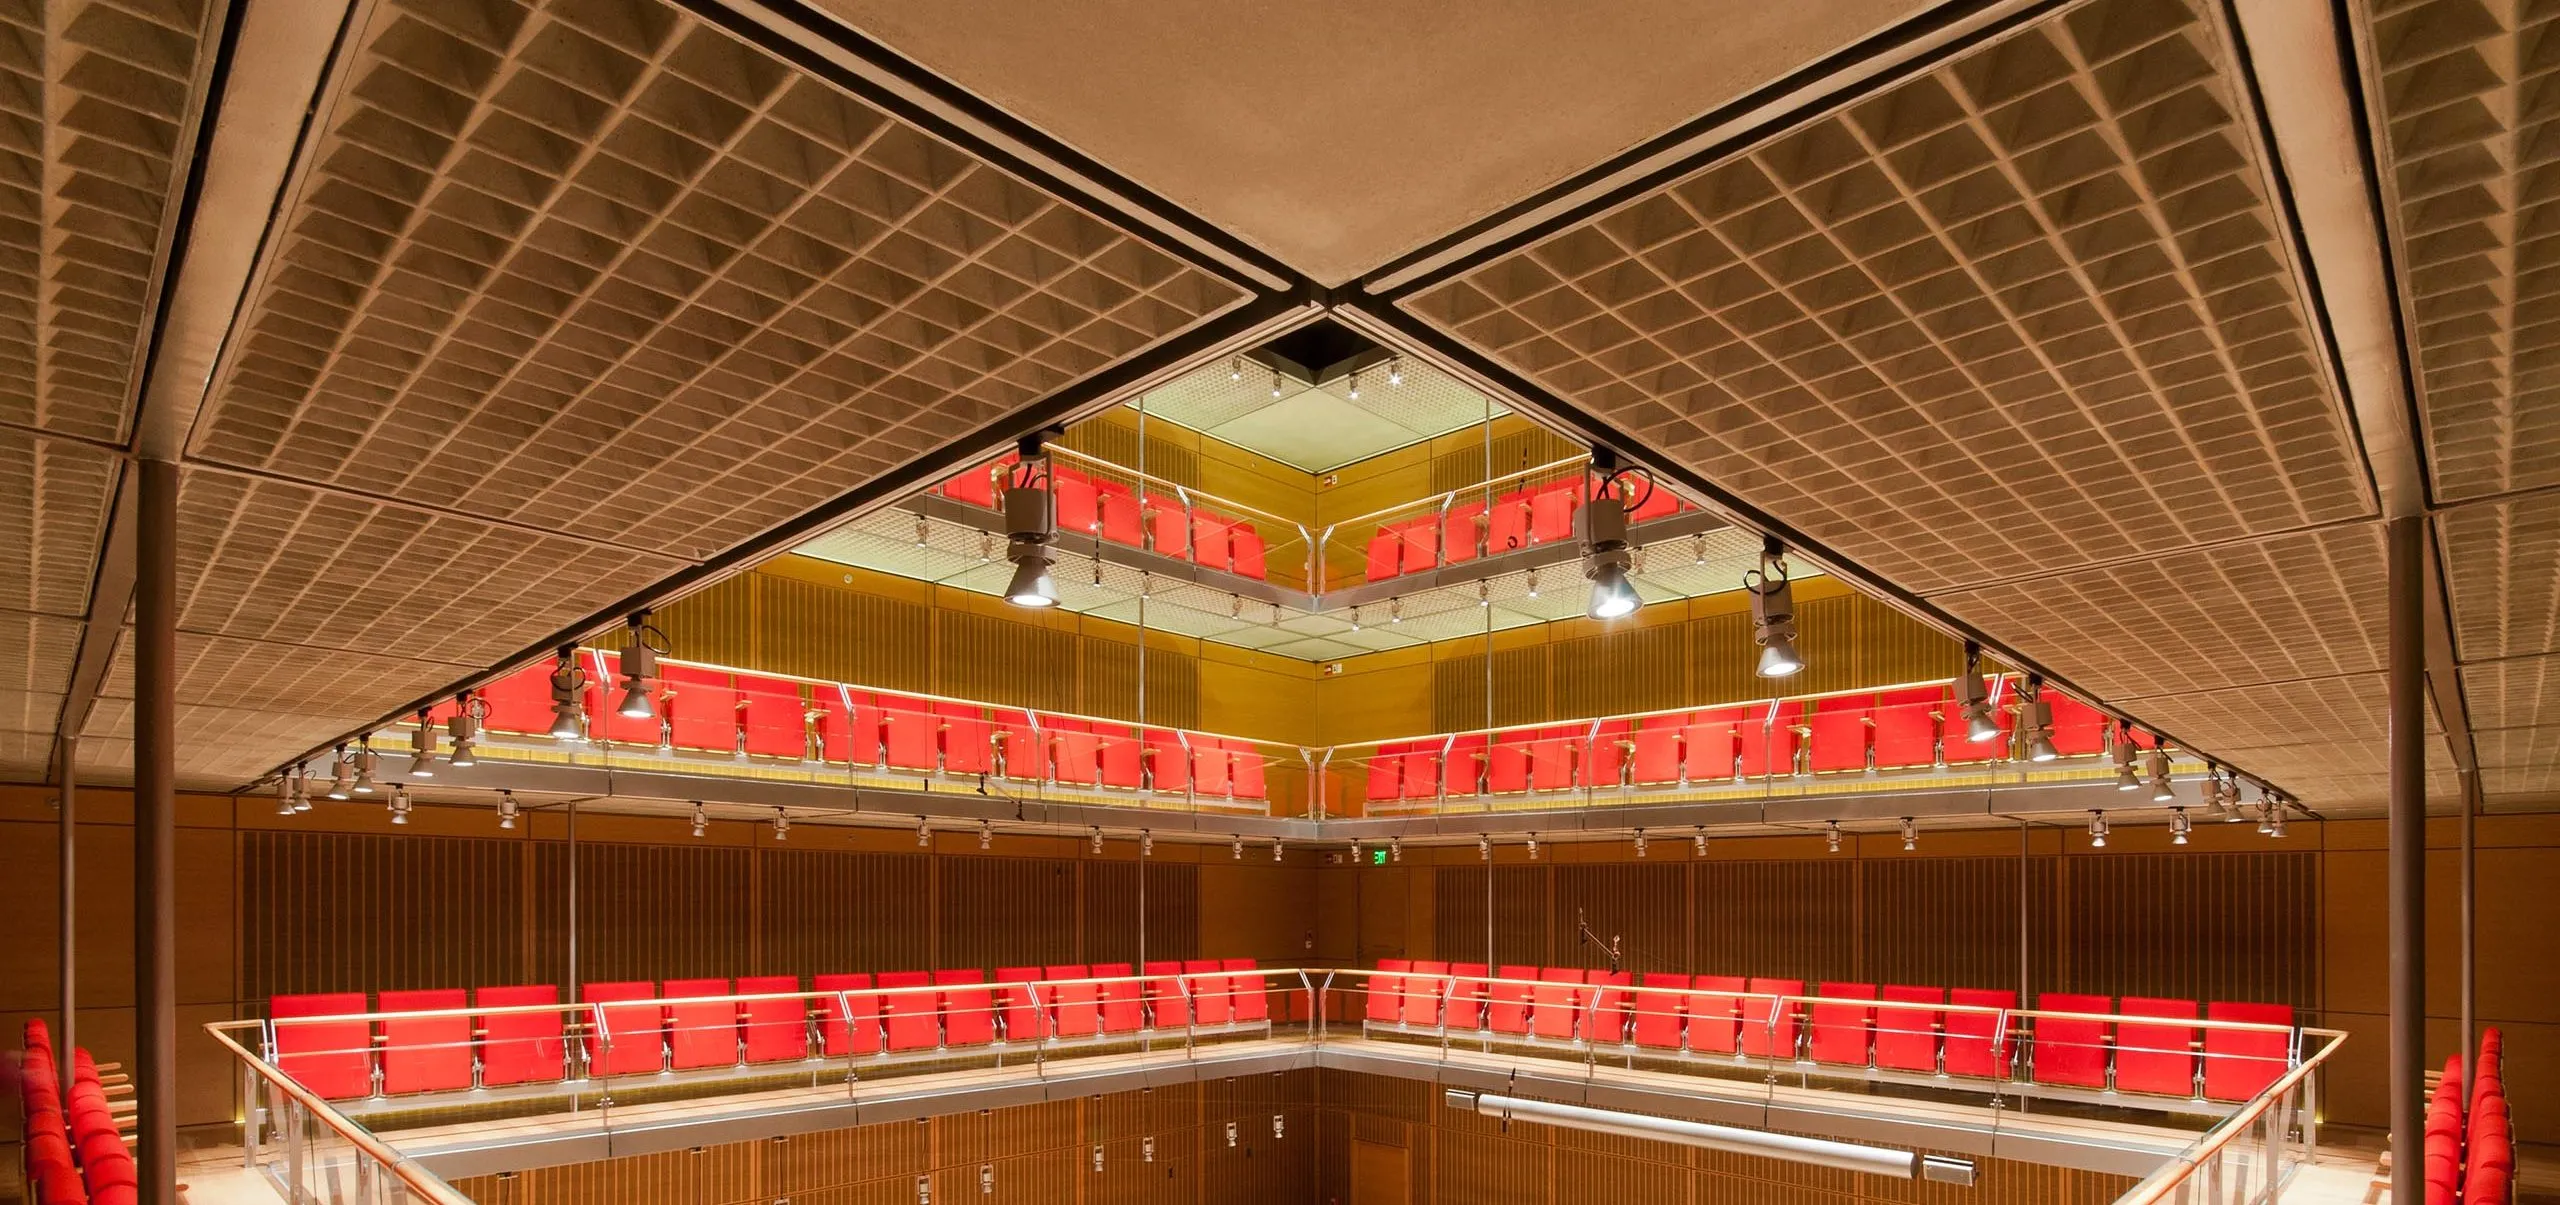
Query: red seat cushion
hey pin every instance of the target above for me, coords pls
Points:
(777, 1030)
(519, 1048)
(1655, 759)
(1017, 996)
(1386, 773)
(968, 1012)
(1906, 727)
(425, 1054)
(701, 1034)
(1907, 1038)
(1710, 747)
(1168, 761)
(968, 739)
(1551, 513)
(1386, 555)
(1122, 758)
(1251, 990)
(2158, 1059)
(1769, 1026)
(1838, 732)
(1244, 769)
(848, 1014)
(1462, 532)
(1841, 1030)
(701, 708)
(1213, 999)
(776, 716)
(1075, 1007)
(633, 1036)
(1168, 996)
(912, 733)
(2067, 1051)
(1422, 992)
(1250, 555)
(1209, 545)
(1510, 1000)
(1977, 1043)
(1121, 1009)
(2239, 1064)
(1658, 1002)
(912, 1019)
(1122, 522)
(331, 1058)
(1556, 1003)
(1385, 1004)
(1715, 1013)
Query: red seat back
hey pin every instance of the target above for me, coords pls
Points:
(701, 707)
(1907, 1038)
(1510, 1002)
(425, 1054)
(1075, 1008)
(848, 1014)
(1251, 990)
(911, 732)
(1385, 1004)
(632, 1040)
(1121, 1011)
(1251, 558)
(332, 1058)
(1557, 1003)
(1977, 1043)
(1168, 761)
(1213, 1001)
(912, 1020)
(701, 1034)
(2239, 1064)
(1018, 1002)
(1168, 997)
(776, 716)
(1605, 1014)
(2158, 1059)
(968, 739)
(519, 1048)
(1422, 992)
(1714, 1008)
(1841, 1030)
(776, 1030)
(1660, 1008)
(968, 1012)
(1244, 768)
(1769, 1026)
(1709, 748)
(2068, 1051)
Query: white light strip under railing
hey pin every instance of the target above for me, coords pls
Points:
(1821, 1152)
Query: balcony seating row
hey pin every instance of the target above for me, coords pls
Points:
(1906, 729)
(2470, 1139)
(1469, 528)
(711, 710)
(2138, 1046)
(1111, 510)
(77, 1150)
(644, 1028)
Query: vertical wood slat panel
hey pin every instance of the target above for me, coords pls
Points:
(999, 912)
(814, 631)
(329, 912)
(1004, 662)
(1794, 920)
(826, 911)
(1640, 669)
(1953, 922)
(653, 912)
(2218, 926)
(1520, 933)
(1108, 686)
(1638, 903)
(1112, 919)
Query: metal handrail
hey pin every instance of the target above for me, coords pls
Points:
(1179, 490)
(1661, 711)
(2171, 1176)
(412, 1178)
(1444, 497)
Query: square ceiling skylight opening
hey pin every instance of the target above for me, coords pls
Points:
(1320, 398)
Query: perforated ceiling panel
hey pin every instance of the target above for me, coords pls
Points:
(96, 99)
(565, 297)
(2022, 335)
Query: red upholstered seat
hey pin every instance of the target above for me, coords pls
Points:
(2078, 728)
(968, 1009)
(1507, 763)
(1841, 1031)
(1551, 512)
(1838, 731)
(1386, 773)
(1121, 1011)
(1251, 989)
(777, 1029)
(521, 701)
(1385, 1003)
(1386, 555)
(1657, 503)
(1511, 1000)
(1762, 748)
(1655, 759)
(1244, 769)
(1422, 992)
(1551, 759)
(519, 1048)
(911, 1019)
(1421, 771)
(1606, 754)
(1464, 1008)
(1462, 767)
(1075, 753)
(1168, 998)
(1605, 1013)
(1421, 543)
(1507, 526)
(1210, 768)
(632, 1040)
(1169, 525)
(1213, 1000)
(1977, 1043)
(2159, 1059)
(1025, 750)
(848, 1014)
(1906, 731)
(1252, 555)
(1769, 1026)
(776, 716)
(1710, 746)
(1714, 1007)
(701, 707)
(1121, 518)
(968, 738)
(1907, 1038)
(1121, 757)
(2239, 1063)
(1017, 1000)
(425, 1054)
(1209, 541)
(1556, 1003)
(2068, 1051)
(1168, 761)
(1079, 505)
(849, 732)
(1462, 532)
(703, 1034)
(331, 1058)
(912, 733)
(1074, 1008)
(1660, 1011)
(974, 485)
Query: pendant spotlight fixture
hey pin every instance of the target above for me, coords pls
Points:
(1355, 386)
(1773, 612)
(1275, 851)
(701, 818)
(1031, 526)
(1093, 840)
(2097, 829)
(2157, 770)
(286, 781)
(1533, 847)
(1395, 371)
(781, 825)
(1973, 700)
(422, 748)
(1602, 523)
(2127, 779)
(1533, 583)
(399, 804)
(338, 774)
(506, 809)
(2179, 826)
(1237, 848)
(1698, 843)
(639, 663)
(924, 833)
(1235, 369)
(1831, 835)
(365, 762)
(2035, 721)
(1355, 851)
(1146, 844)
(301, 788)
(1484, 848)
(1395, 849)
(1639, 843)
(568, 691)
(1484, 594)
(2233, 810)
(1910, 834)
(2275, 824)
(1395, 610)
(986, 836)
(464, 727)
(1355, 615)
(1275, 383)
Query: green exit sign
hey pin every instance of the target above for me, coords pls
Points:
(1377, 857)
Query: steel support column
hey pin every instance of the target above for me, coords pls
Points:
(2408, 858)
(155, 807)
(66, 749)
(2470, 916)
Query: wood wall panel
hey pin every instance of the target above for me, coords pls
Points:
(1112, 915)
(1639, 904)
(839, 635)
(1953, 922)
(1109, 684)
(995, 660)
(825, 911)
(1788, 920)
(1463, 463)
(2139, 926)
(334, 912)
(999, 912)
(1520, 915)
(653, 912)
